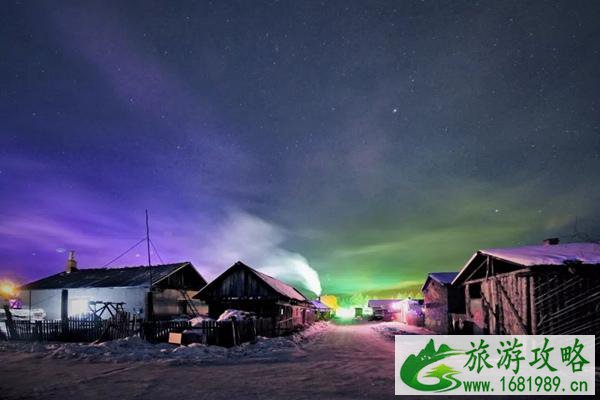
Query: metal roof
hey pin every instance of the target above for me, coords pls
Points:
(107, 277)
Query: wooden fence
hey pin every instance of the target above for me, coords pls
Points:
(158, 331)
(231, 333)
(75, 329)
(220, 333)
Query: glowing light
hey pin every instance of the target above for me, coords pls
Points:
(397, 305)
(8, 289)
(345, 312)
(330, 301)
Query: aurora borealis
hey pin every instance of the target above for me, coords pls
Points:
(374, 141)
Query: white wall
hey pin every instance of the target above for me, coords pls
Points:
(50, 299)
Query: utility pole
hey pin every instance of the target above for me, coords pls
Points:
(148, 240)
(150, 301)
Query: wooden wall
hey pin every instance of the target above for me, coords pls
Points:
(436, 307)
(540, 300)
(240, 283)
(567, 301)
(503, 305)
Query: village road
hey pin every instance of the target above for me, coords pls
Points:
(344, 362)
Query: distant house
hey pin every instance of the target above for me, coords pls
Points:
(75, 292)
(408, 311)
(243, 288)
(544, 289)
(386, 304)
(323, 312)
(441, 301)
(383, 309)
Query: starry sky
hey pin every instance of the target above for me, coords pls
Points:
(371, 142)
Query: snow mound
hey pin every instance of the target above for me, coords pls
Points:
(390, 329)
(231, 313)
(136, 349)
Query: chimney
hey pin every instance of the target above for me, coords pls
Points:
(71, 263)
(551, 241)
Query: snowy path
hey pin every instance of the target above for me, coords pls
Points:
(343, 362)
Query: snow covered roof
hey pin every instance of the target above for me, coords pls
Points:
(110, 277)
(538, 255)
(320, 306)
(443, 278)
(557, 254)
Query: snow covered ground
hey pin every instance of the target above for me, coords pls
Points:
(327, 361)
(391, 329)
(135, 349)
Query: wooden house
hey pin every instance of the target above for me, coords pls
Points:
(441, 301)
(322, 311)
(410, 311)
(160, 291)
(383, 309)
(546, 289)
(243, 288)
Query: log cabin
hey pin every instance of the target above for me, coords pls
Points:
(441, 301)
(551, 288)
(243, 288)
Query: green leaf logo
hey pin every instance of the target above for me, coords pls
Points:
(409, 372)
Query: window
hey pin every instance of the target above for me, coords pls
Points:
(475, 290)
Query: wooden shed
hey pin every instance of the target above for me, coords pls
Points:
(244, 288)
(545, 289)
(441, 301)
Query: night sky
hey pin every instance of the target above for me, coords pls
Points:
(371, 141)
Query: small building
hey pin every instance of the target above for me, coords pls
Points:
(383, 309)
(387, 304)
(160, 291)
(543, 289)
(323, 312)
(410, 312)
(243, 288)
(441, 301)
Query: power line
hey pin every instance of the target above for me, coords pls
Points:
(125, 252)
(156, 251)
